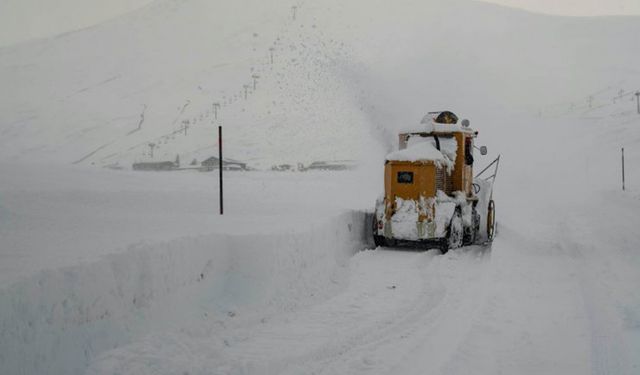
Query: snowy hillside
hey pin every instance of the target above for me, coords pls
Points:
(103, 95)
(106, 271)
(24, 20)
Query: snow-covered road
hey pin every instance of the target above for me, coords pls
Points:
(555, 300)
(396, 304)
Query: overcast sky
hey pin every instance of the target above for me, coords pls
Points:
(21, 20)
(576, 7)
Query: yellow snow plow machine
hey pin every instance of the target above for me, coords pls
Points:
(431, 198)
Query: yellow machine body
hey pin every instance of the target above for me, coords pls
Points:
(421, 197)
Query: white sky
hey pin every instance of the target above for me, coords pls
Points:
(575, 7)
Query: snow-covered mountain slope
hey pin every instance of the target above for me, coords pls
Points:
(23, 20)
(103, 94)
(343, 75)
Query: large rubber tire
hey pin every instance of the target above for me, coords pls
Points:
(455, 234)
(491, 220)
(471, 232)
(444, 246)
(379, 241)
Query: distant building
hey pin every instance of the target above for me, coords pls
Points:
(338, 165)
(227, 164)
(155, 166)
(282, 167)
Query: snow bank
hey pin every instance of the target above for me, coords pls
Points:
(57, 321)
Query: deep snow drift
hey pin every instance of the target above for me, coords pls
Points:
(115, 271)
(90, 296)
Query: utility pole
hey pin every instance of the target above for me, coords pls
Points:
(142, 117)
(220, 167)
(293, 10)
(151, 147)
(185, 126)
(255, 80)
(216, 106)
(623, 169)
(246, 89)
(271, 50)
(638, 100)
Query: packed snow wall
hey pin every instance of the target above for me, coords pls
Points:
(55, 322)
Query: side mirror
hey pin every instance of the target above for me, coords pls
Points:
(465, 123)
(483, 150)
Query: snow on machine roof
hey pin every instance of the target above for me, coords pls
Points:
(423, 145)
(424, 149)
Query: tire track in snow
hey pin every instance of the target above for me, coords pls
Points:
(531, 318)
(608, 349)
(438, 334)
(384, 290)
(421, 329)
(393, 301)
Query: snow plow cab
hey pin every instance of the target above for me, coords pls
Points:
(430, 196)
